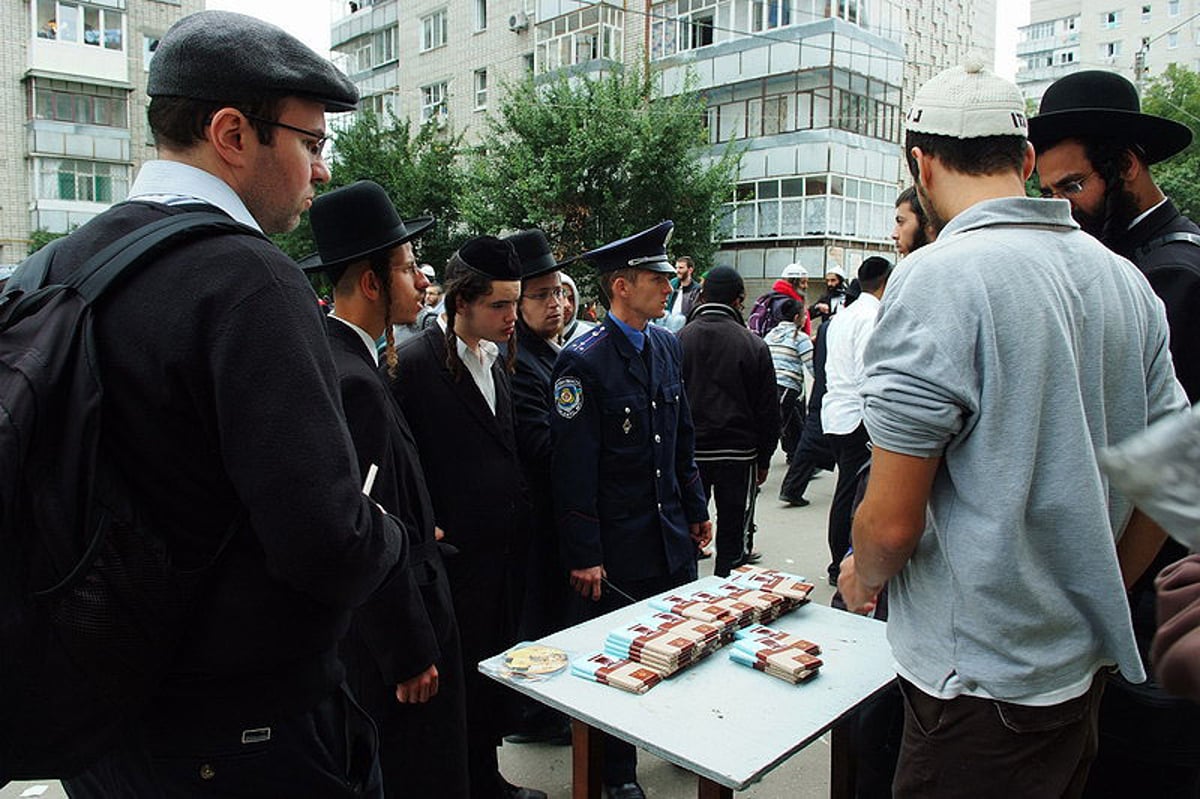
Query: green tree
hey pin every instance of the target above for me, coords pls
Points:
(592, 159)
(1175, 94)
(419, 170)
(41, 237)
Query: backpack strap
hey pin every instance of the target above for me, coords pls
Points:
(100, 271)
(1169, 238)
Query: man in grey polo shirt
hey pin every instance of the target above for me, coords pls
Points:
(1007, 552)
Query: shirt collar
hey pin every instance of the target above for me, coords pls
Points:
(1146, 213)
(487, 355)
(367, 341)
(636, 337)
(166, 181)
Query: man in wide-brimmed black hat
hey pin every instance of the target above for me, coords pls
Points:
(1094, 149)
(402, 653)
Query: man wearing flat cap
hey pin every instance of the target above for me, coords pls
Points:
(1005, 555)
(627, 494)
(216, 426)
(452, 382)
(1095, 148)
(402, 653)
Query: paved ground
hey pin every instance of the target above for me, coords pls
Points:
(789, 538)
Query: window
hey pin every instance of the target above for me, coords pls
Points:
(1110, 19)
(1066, 58)
(481, 87)
(89, 181)
(93, 105)
(581, 36)
(1072, 23)
(1110, 49)
(528, 61)
(1172, 40)
(768, 14)
(149, 45)
(1145, 13)
(99, 25)
(433, 102)
(480, 15)
(433, 30)
(1173, 8)
(383, 44)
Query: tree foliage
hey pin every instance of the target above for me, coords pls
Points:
(1175, 94)
(418, 170)
(41, 237)
(593, 159)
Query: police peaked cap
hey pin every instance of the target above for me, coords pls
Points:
(534, 251)
(225, 57)
(1094, 104)
(646, 250)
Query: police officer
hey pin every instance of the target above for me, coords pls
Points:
(630, 506)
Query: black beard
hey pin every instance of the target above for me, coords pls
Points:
(1120, 208)
(936, 223)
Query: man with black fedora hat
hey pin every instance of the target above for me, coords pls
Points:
(627, 494)
(544, 609)
(402, 652)
(455, 386)
(1095, 147)
(212, 426)
(730, 381)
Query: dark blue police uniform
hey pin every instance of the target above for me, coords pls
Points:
(626, 485)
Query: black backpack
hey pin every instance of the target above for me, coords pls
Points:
(91, 603)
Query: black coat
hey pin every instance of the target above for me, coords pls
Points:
(730, 380)
(626, 484)
(207, 415)
(1173, 270)
(471, 466)
(409, 623)
(547, 587)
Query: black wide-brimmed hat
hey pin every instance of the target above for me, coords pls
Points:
(1094, 104)
(534, 251)
(354, 222)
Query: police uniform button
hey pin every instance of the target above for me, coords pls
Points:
(626, 410)
(207, 772)
(660, 507)
(653, 404)
(658, 472)
(657, 438)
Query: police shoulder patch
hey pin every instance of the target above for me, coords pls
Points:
(568, 396)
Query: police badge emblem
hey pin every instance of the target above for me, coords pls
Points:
(568, 396)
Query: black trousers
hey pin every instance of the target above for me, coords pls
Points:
(791, 418)
(852, 452)
(330, 750)
(620, 758)
(733, 484)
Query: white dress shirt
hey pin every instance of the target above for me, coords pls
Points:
(842, 408)
(172, 183)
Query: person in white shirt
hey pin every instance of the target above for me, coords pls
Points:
(842, 409)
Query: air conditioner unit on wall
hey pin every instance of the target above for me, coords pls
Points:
(518, 22)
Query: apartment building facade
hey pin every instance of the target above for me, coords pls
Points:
(73, 107)
(811, 89)
(1136, 39)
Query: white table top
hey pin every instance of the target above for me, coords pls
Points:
(724, 721)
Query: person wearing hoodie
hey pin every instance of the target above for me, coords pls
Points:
(730, 382)
(768, 309)
(573, 326)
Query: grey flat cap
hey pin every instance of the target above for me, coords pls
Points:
(221, 56)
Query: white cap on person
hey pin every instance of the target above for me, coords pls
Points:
(794, 271)
(968, 102)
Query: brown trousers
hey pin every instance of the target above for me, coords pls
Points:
(972, 747)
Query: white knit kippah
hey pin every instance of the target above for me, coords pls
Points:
(967, 102)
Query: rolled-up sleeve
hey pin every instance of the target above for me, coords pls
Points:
(916, 396)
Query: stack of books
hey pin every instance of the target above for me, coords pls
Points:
(665, 642)
(637, 678)
(715, 610)
(773, 581)
(779, 654)
(768, 606)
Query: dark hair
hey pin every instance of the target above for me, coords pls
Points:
(1111, 159)
(910, 196)
(607, 280)
(179, 122)
(463, 282)
(381, 264)
(687, 259)
(789, 308)
(873, 273)
(985, 155)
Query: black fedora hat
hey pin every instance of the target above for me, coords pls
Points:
(534, 251)
(1095, 104)
(354, 222)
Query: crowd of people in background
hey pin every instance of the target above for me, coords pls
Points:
(458, 457)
